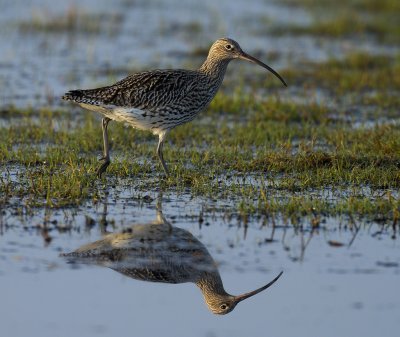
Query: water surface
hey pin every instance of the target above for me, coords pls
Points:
(338, 279)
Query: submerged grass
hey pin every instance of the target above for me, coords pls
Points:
(266, 156)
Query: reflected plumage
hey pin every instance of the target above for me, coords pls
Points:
(160, 252)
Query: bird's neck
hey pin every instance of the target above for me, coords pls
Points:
(211, 286)
(214, 67)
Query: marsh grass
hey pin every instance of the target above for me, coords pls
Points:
(355, 74)
(74, 20)
(265, 156)
(354, 18)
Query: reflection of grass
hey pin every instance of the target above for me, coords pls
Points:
(73, 21)
(293, 152)
(350, 18)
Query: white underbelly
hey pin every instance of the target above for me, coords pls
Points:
(135, 118)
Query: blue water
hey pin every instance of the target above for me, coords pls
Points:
(325, 290)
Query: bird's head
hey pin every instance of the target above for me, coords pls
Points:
(228, 49)
(224, 303)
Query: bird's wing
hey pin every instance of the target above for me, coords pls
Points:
(147, 90)
(150, 275)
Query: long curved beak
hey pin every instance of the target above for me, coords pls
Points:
(247, 57)
(252, 293)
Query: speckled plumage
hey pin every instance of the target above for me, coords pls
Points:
(160, 100)
(156, 100)
(160, 252)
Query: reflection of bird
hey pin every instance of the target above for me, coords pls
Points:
(160, 100)
(159, 252)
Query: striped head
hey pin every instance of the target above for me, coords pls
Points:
(226, 49)
(221, 303)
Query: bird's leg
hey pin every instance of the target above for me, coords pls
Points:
(160, 153)
(106, 153)
(161, 219)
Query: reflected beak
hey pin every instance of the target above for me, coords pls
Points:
(250, 58)
(252, 293)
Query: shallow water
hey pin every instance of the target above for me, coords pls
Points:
(38, 66)
(339, 279)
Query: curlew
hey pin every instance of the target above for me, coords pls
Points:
(160, 252)
(161, 100)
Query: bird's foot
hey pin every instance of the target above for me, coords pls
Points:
(103, 157)
(166, 174)
(165, 168)
(103, 166)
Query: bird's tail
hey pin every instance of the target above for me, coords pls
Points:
(74, 95)
(90, 96)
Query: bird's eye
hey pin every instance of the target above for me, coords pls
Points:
(223, 306)
(229, 47)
